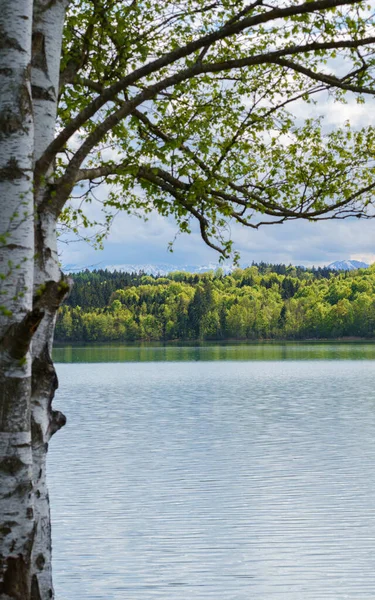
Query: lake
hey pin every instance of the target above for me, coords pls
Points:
(215, 472)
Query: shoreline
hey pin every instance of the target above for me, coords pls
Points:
(236, 341)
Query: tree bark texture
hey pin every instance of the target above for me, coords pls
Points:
(32, 288)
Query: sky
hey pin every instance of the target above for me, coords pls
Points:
(134, 241)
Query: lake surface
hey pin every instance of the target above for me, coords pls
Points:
(158, 352)
(183, 477)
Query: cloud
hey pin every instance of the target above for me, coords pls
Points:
(134, 241)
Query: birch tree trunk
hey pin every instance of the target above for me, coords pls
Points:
(47, 35)
(17, 526)
(32, 288)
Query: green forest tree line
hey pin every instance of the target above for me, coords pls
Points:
(259, 302)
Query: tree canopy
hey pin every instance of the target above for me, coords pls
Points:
(259, 302)
(194, 109)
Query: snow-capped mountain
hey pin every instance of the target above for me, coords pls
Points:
(347, 265)
(165, 268)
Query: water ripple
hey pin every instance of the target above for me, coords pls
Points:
(225, 480)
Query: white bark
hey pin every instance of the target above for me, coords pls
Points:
(16, 265)
(47, 36)
(31, 33)
(16, 150)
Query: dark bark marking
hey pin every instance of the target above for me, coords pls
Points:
(10, 122)
(20, 490)
(45, 383)
(52, 294)
(57, 421)
(44, 378)
(16, 247)
(29, 513)
(17, 339)
(11, 465)
(16, 578)
(6, 72)
(40, 561)
(39, 59)
(4, 530)
(40, 93)
(35, 591)
(14, 404)
(12, 170)
(8, 42)
(11, 119)
(39, 239)
(6, 527)
(36, 433)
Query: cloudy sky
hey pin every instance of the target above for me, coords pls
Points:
(133, 241)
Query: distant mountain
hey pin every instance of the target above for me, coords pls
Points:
(347, 265)
(165, 268)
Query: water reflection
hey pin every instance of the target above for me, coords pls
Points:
(210, 352)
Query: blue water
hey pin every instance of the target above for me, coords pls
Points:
(181, 480)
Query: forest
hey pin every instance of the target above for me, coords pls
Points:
(256, 303)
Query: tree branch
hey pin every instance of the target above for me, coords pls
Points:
(102, 171)
(227, 30)
(66, 182)
(329, 80)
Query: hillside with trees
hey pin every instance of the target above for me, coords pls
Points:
(259, 302)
